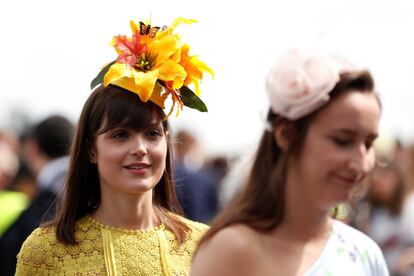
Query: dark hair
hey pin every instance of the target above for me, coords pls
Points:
(53, 135)
(261, 203)
(117, 107)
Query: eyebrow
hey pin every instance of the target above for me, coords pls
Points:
(351, 132)
(152, 125)
(156, 124)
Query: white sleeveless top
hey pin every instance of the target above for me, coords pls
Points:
(349, 252)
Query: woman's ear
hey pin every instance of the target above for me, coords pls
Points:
(92, 155)
(91, 151)
(282, 133)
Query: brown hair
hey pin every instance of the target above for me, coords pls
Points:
(395, 204)
(82, 195)
(261, 204)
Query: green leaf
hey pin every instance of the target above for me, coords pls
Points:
(191, 100)
(99, 78)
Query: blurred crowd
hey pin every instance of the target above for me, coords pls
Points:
(33, 165)
(385, 210)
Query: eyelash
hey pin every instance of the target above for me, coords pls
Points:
(345, 143)
(153, 133)
(120, 134)
(124, 134)
(369, 144)
(342, 142)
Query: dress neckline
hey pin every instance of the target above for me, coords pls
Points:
(326, 249)
(128, 231)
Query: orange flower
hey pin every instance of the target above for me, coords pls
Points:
(140, 65)
(194, 68)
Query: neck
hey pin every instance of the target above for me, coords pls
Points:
(126, 211)
(302, 224)
(304, 220)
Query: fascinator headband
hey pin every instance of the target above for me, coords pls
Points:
(155, 64)
(300, 82)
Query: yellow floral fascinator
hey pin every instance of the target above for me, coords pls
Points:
(154, 63)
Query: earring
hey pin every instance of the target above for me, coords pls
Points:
(92, 158)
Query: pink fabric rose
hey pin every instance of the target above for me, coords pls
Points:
(300, 82)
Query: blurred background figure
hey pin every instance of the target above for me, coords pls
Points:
(11, 202)
(196, 181)
(8, 164)
(235, 178)
(387, 213)
(218, 168)
(44, 150)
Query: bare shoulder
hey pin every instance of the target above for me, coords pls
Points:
(231, 251)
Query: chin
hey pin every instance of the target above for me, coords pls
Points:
(138, 188)
(338, 198)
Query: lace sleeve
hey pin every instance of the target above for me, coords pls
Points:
(36, 255)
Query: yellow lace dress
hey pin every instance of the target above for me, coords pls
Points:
(105, 250)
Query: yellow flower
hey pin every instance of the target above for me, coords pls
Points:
(141, 83)
(142, 61)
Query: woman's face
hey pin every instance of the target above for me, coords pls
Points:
(129, 161)
(338, 149)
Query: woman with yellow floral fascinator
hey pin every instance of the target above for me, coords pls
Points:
(119, 214)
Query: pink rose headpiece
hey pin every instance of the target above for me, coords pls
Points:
(300, 82)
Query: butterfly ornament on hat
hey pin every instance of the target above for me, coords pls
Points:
(155, 64)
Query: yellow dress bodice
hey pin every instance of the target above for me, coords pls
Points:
(105, 250)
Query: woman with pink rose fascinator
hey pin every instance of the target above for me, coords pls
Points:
(120, 214)
(316, 150)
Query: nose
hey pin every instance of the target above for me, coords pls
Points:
(138, 145)
(362, 161)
